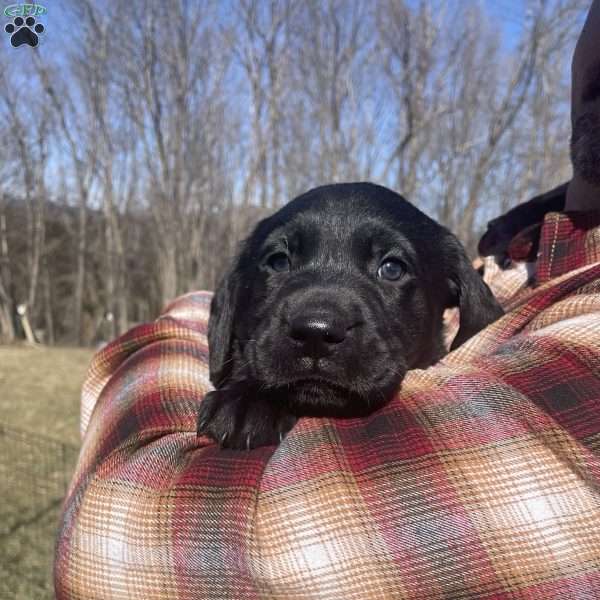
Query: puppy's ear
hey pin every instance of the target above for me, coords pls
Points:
(477, 305)
(220, 327)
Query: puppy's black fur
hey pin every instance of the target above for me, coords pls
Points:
(330, 301)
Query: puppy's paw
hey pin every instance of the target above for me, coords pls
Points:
(237, 419)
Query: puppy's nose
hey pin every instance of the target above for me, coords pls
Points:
(318, 334)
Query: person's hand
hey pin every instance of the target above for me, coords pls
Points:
(515, 234)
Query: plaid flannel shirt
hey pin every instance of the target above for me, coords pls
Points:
(480, 479)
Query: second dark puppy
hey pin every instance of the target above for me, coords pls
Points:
(330, 301)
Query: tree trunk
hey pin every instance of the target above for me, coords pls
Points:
(81, 268)
(7, 328)
(48, 318)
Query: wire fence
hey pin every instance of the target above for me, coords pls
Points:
(34, 475)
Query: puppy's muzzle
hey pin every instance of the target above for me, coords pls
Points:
(318, 334)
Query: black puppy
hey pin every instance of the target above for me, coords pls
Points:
(330, 301)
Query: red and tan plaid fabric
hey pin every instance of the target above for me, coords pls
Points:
(481, 479)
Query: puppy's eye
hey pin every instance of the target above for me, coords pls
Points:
(279, 262)
(390, 269)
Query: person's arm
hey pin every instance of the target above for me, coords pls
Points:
(480, 478)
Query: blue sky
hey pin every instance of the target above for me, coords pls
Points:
(509, 14)
(61, 30)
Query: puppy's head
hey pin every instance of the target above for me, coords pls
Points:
(335, 296)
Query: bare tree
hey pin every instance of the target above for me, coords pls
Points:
(29, 144)
(172, 127)
(330, 46)
(7, 308)
(411, 46)
(171, 87)
(80, 147)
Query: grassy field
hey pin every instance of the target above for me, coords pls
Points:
(39, 437)
(39, 389)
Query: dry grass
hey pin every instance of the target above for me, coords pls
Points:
(40, 387)
(39, 394)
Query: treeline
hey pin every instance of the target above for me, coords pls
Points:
(136, 155)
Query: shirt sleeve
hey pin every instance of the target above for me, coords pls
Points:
(480, 478)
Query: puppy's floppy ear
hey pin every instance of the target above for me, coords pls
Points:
(477, 305)
(220, 327)
(224, 315)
